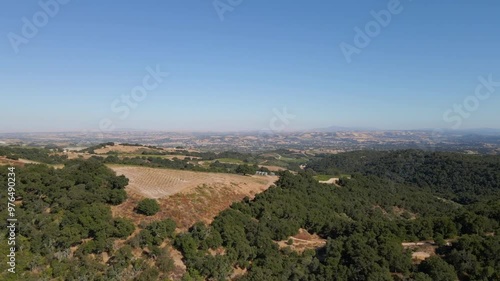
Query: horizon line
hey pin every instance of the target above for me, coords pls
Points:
(315, 130)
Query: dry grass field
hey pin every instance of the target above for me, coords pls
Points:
(123, 149)
(10, 162)
(20, 162)
(157, 183)
(185, 196)
(76, 155)
(274, 168)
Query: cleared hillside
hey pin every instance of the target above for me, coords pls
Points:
(185, 196)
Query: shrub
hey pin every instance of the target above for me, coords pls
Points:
(148, 207)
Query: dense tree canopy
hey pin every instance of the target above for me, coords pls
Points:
(362, 221)
(459, 177)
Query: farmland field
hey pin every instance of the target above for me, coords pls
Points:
(185, 196)
(158, 183)
(230, 160)
(123, 149)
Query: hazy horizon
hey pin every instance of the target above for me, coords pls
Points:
(325, 129)
(279, 66)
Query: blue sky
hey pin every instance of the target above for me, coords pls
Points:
(230, 74)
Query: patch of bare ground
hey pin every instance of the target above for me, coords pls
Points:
(334, 181)
(421, 250)
(219, 251)
(238, 272)
(401, 212)
(10, 162)
(76, 155)
(379, 208)
(123, 149)
(19, 162)
(186, 197)
(181, 157)
(303, 241)
(26, 161)
(179, 266)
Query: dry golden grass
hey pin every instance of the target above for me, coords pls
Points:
(185, 196)
(273, 168)
(76, 155)
(20, 162)
(157, 183)
(123, 149)
(10, 162)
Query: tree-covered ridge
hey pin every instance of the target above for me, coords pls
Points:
(65, 224)
(46, 156)
(181, 164)
(43, 155)
(62, 208)
(459, 177)
(364, 233)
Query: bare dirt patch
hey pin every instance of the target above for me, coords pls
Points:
(19, 162)
(179, 266)
(334, 181)
(237, 272)
(10, 162)
(76, 155)
(181, 157)
(401, 212)
(303, 241)
(421, 250)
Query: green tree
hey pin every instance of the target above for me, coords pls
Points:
(245, 169)
(123, 228)
(148, 207)
(164, 261)
(438, 269)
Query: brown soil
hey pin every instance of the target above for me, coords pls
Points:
(303, 241)
(10, 162)
(422, 250)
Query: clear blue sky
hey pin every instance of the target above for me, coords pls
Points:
(230, 74)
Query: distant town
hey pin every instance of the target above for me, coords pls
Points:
(472, 142)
